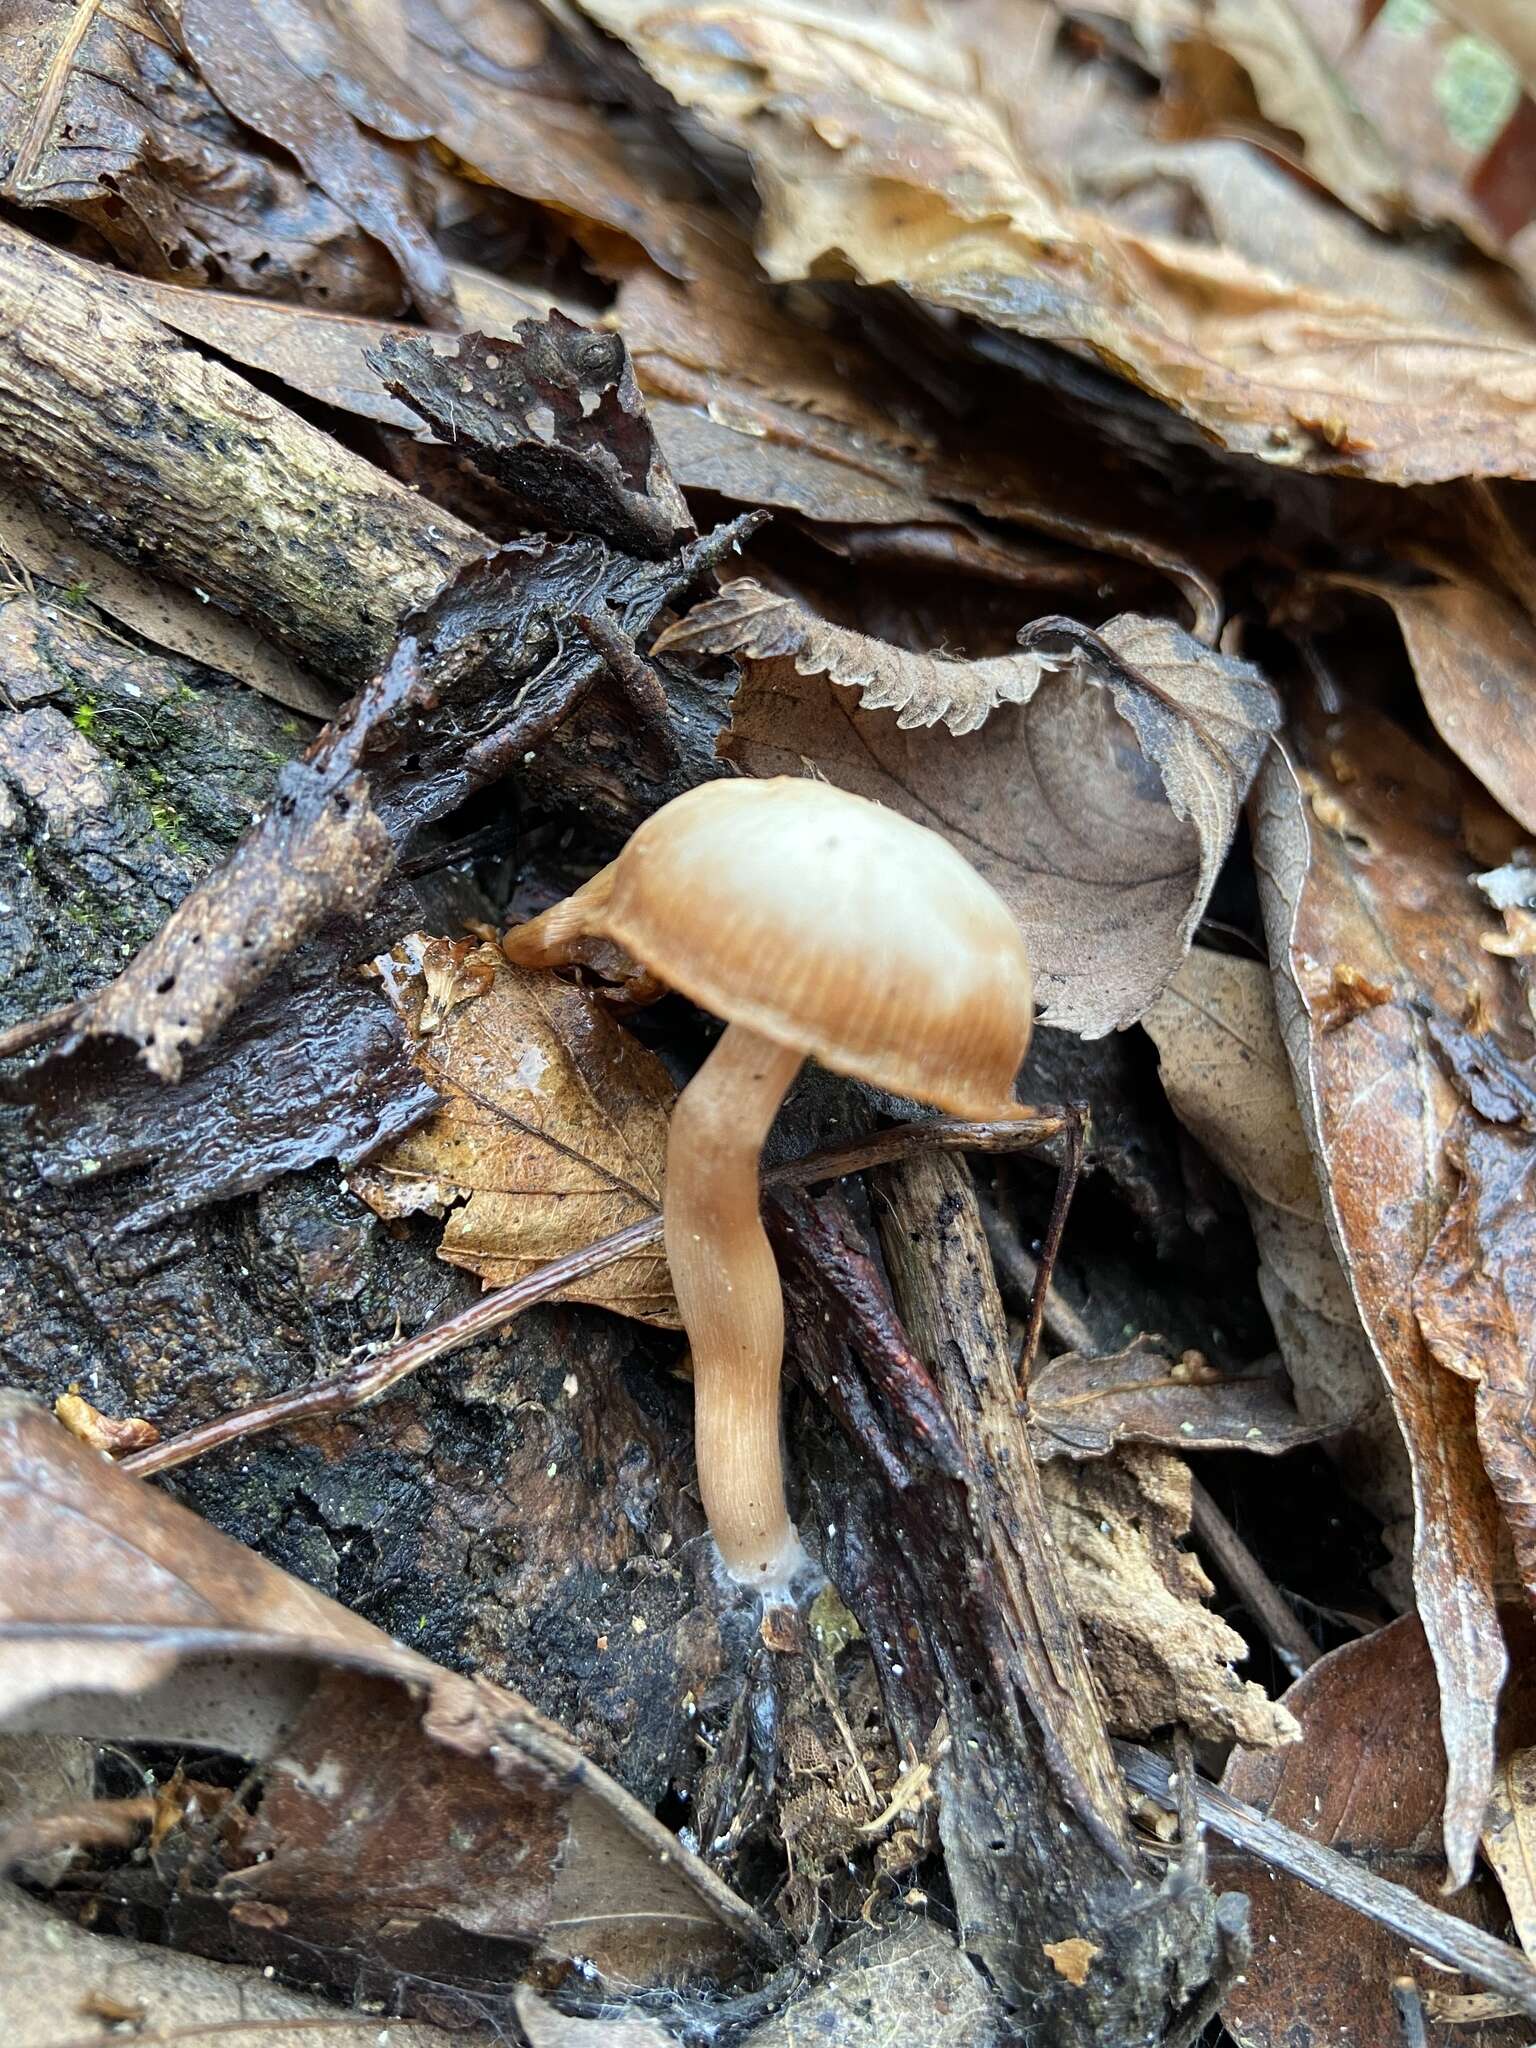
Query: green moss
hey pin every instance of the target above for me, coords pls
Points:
(83, 718)
(167, 821)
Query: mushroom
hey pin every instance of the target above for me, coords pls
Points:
(817, 924)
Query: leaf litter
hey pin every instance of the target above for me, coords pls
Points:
(1071, 351)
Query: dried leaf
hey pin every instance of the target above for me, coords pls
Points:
(1360, 873)
(1297, 88)
(114, 1434)
(546, 2028)
(552, 1133)
(771, 406)
(1158, 1652)
(904, 1981)
(1509, 1840)
(53, 1966)
(406, 1812)
(1100, 809)
(1367, 1778)
(1475, 1299)
(1225, 1071)
(553, 413)
(1474, 653)
(237, 48)
(113, 126)
(504, 97)
(1084, 1407)
(873, 148)
(922, 689)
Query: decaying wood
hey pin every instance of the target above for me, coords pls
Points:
(161, 455)
(930, 1558)
(1441, 1935)
(164, 456)
(941, 1272)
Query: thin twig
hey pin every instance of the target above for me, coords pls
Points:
(368, 1378)
(1251, 1583)
(1074, 1135)
(1019, 1271)
(33, 1030)
(1410, 2012)
(1441, 1935)
(629, 668)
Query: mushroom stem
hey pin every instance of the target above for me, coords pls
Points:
(728, 1293)
(555, 938)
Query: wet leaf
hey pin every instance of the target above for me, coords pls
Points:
(1475, 1299)
(312, 113)
(552, 1130)
(553, 413)
(1100, 809)
(1084, 1407)
(1474, 653)
(922, 689)
(1366, 1779)
(1365, 885)
(871, 146)
(406, 1812)
(113, 126)
(1158, 1651)
(1226, 1074)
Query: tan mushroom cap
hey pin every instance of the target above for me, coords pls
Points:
(834, 927)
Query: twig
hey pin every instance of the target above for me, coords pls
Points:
(1251, 1583)
(1410, 2012)
(368, 1378)
(1441, 1935)
(1074, 1135)
(1020, 1273)
(629, 668)
(33, 1030)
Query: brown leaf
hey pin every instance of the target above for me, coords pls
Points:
(769, 406)
(53, 1967)
(1158, 1652)
(1509, 1840)
(1367, 1778)
(510, 104)
(922, 689)
(872, 147)
(102, 117)
(1084, 1407)
(1297, 89)
(313, 109)
(553, 413)
(1475, 1299)
(1474, 653)
(1226, 1074)
(1360, 871)
(1100, 809)
(552, 1133)
(406, 1811)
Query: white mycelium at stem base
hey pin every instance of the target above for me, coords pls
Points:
(728, 1293)
(818, 925)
